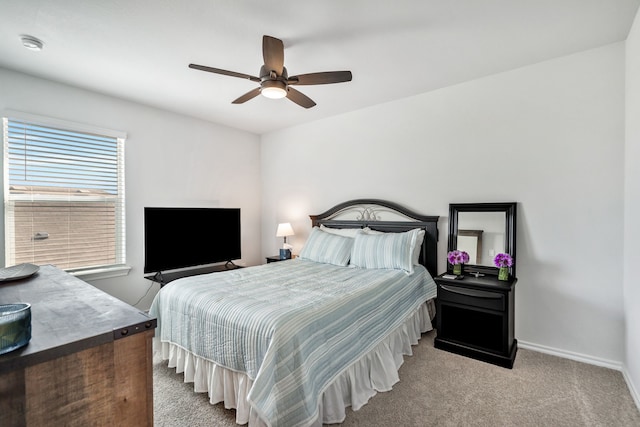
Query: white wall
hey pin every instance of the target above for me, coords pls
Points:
(632, 210)
(550, 136)
(170, 160)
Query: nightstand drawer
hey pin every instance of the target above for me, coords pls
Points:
(472, 297)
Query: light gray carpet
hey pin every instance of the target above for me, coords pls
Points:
(438, 388)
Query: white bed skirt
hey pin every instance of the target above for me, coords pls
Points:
(375, 371)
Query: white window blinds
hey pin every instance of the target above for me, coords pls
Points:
(64, 196)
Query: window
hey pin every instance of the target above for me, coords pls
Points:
(63, 195)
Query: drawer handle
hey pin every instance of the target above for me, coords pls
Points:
(472, 293)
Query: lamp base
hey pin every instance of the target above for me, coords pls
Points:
(285, 254)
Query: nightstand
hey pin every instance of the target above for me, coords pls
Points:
(475, 318)
(274, 258)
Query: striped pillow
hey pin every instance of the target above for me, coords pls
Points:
(327, 248)
(417, 248)
(388, 251)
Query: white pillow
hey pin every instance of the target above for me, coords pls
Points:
(386, 251)
(346, 232)
(417, 247)
(327, 248)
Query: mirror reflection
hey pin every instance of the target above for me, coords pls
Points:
(481, 235)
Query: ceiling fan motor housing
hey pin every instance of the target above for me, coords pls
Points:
(266, 74)
(273, 85)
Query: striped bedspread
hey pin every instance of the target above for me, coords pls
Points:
(291, 326)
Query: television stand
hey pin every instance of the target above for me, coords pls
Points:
(164, 278)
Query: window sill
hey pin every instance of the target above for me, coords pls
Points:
(101, 272)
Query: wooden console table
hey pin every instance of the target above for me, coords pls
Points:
(164, 278)
(89, 361)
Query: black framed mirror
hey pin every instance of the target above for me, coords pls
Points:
(483, 230)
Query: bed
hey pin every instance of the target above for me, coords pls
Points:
(294, 343)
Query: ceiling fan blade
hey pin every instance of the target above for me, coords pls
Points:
(224, 72)
(273, 54)
(247, 96)
(299, 98)
(321, 78)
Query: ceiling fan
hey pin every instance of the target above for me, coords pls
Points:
(274, 80)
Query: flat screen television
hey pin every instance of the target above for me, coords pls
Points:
(187, 237)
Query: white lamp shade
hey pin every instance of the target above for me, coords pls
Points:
(284, 230)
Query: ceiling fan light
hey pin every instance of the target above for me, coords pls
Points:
(273, 89)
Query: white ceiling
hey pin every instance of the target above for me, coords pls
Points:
(139, 49)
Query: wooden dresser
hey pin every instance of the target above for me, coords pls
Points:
(89, 361)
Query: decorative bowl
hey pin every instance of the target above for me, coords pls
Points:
(15, 326)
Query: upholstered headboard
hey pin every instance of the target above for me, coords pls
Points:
(384, 216)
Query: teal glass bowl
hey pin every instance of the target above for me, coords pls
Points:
(15, 326)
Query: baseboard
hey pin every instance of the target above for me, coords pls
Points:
(632, 389)
(578, 357)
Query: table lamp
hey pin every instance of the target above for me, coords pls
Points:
(285, 230)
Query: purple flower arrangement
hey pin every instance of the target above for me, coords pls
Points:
(503, 260)
(457, 257)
